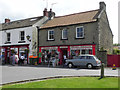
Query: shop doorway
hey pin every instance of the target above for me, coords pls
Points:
(63, 51)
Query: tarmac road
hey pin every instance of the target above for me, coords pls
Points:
(19, 73)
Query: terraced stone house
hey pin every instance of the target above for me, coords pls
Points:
(79, 33)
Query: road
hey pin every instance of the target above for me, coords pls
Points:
(19, 73)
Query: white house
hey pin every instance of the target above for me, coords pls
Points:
(21, 36)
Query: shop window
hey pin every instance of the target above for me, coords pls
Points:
(22, 35)
(50, 35)
(83, 51)
(64, 34)
(80, 32)
(8, 37)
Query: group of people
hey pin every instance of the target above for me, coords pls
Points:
(14, 59)
(50, 58)
(53, 58)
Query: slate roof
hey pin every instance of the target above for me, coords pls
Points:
(21, 23)
(82, 17)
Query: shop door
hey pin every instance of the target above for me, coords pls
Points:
(63, 52)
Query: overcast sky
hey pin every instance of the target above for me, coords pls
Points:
(21, 9)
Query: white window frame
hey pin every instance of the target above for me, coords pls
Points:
(83, 31)
(9, 37)
(48, 34)
(20, 35)
(62, 34)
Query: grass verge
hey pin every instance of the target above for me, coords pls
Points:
(75, 82)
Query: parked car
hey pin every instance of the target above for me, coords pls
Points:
(89, 61)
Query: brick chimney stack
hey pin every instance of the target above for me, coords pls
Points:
(7, 20)
(51, 14)
(102, 6)
(45, 12)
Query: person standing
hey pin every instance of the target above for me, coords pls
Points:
(22, 58)
(64, 59)
(13, 59)
(16, 59)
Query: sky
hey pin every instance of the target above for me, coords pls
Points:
(21, 9)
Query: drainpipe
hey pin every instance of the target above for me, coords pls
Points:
(37, 41)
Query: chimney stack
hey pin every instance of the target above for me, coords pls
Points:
(7, 20)
(102, 6)
(45, 12)
(51, 14)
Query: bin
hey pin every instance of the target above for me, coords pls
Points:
(34, 60)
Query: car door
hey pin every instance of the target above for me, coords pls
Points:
(82, 60)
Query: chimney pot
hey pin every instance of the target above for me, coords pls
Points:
(45, 12)
(7, 20)
(102, 6)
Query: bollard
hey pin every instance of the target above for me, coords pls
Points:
(102, 70)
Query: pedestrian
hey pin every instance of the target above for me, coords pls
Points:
(13, 59)
(49, 58)
(64, 59)
(16, 59)
(22, 58)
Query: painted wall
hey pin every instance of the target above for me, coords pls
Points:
(15, 36)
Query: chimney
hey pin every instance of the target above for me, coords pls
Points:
(51, 14)
(7, 20)
(102, 6)
(45, 12)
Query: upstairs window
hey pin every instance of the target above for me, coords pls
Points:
(80, 32)
(8, 37)
(51, 35)
(22, 35)
(64, 34)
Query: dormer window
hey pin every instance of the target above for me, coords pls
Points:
(22, 35)
(8, 37)
(80, 32)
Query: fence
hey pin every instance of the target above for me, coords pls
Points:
(113, 59)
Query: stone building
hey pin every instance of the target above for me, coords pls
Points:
(79, 33)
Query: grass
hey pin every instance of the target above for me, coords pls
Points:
(76, 82)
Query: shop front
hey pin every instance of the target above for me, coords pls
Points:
(69, 51)
(6, 52)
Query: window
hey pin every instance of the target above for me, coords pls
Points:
(88, 57)
(8, 37)
(22, 35)
(82, 57)
(51, 35)
(79, 32)
(64, 34)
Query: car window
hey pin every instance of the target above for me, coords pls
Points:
(82, 57)
(88, 57)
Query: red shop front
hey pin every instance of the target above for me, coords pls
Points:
(68, 50)
(18, 49)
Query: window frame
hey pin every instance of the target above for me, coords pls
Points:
(21, 36)
(63, 34)
(83, 32)
(9, 36)
(49, 34)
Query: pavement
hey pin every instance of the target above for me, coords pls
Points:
(11, 74)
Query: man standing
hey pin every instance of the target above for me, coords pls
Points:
(64, 60)
(13, 60)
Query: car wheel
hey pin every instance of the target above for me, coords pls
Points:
(89, 66)
(70, 65)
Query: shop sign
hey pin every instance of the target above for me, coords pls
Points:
(63, 46)
(80, 47)
(52, 48)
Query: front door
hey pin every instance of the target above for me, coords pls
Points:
(63, 52)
